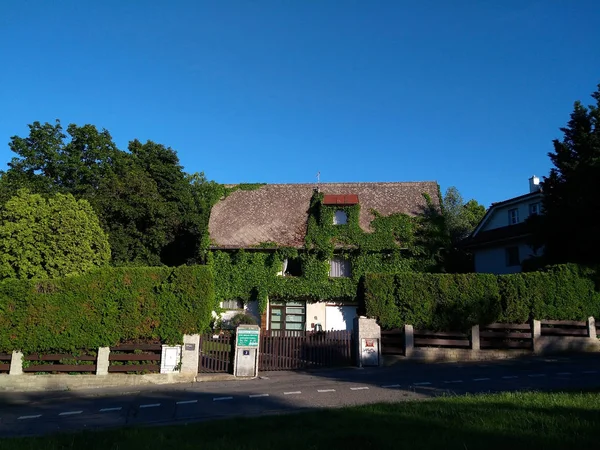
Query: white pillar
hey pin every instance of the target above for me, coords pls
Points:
(16, 364)
(189, 354)
(475, 343)
(409, 340)
(591, 324)
(102, 361)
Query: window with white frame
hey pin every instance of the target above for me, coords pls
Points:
(339, 267)
(513, 216)
(534, 208)
(233, 304)
(340, 217)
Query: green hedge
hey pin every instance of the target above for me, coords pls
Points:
(459, 301)
(104, 308)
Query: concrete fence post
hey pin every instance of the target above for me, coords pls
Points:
(190, 354)
(536, 329)
(102, 361)
(475, 345)
(16, 364)
(591, 326)
(409, 340)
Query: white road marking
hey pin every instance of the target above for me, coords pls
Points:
(70, 413)
(590, 371)
(423, 383)
(325, 390)
(218, 399)
(150, 405)
(564, 373)
(391, 386)
(186, 402)
(118, 408)
(537, 375)
(359, 388)
(258, 395)
(510, 377)
(292, 393)
(453, 381)
(481, 379)
(29, 417)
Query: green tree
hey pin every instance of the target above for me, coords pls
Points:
(568, 229)
(51, 237)
(461, 218)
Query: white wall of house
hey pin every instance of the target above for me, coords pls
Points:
(500, 217)
(493, 259)
(340, 317)
(315, 313)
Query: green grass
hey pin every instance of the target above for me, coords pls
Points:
(502, 421)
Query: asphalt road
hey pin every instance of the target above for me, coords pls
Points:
(284, 392)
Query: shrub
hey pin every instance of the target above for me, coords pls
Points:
(459, 301)
(104, 308)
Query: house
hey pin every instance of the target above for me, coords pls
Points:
(499, 243)
(322, 239)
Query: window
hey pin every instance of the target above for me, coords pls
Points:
(233, 304)
(288, 316)
(534, 208)
(512, 256)
(339, 267)
(292, 267)
(513, 216)
(340, 217)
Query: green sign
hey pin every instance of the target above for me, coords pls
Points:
(247, 338)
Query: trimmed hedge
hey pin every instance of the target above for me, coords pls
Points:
(104, 308)
(459, 301)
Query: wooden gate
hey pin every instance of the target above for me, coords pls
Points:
(305, 350)
(216, 353)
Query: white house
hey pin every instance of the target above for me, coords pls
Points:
(499, 242)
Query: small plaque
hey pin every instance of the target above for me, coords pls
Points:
(246, 352)
(190, 347)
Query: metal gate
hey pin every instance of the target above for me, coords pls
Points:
(301, 350)
(216, 353)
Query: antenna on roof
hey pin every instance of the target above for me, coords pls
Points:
(318, 180)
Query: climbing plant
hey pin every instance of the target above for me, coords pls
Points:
(394, 244)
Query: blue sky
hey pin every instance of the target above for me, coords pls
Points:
(466, 92)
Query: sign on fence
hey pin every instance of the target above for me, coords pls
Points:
(247, 337)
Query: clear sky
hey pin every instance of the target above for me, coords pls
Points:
(466, 92)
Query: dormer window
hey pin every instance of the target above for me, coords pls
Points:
(513, 216)
(340, 217)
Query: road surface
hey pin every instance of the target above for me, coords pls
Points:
(284, 392)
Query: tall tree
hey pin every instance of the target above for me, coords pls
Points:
(568, 228)
(49, 237)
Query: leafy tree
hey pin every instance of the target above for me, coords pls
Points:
(51, 237)
(153, 212)
(461, 218)
(568, 229)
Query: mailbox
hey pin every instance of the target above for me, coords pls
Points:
(247, 339)
(369, 352)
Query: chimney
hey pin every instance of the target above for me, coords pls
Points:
(534, 184)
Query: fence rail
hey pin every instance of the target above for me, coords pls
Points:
(392, 342)
(59, 362)
(563, 328)
(499, 336)
(426, 338)
(135, 358)
(5, 359)
(216, 353)
(309, 350)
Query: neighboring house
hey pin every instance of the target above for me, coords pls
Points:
(277, 216)
(499, 243)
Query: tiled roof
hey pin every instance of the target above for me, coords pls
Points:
(278, 212)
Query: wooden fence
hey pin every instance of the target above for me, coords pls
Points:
(135, 358)
(309, 350)
(506, 336)
(216, 353)
(449, 339)
(5, 359)
(564, 328)
(392, 342)
(60, 362)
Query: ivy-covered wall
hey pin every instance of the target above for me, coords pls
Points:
(397, 243)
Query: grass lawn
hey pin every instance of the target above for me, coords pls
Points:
(501, 421)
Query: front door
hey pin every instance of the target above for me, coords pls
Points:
(287, 318)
